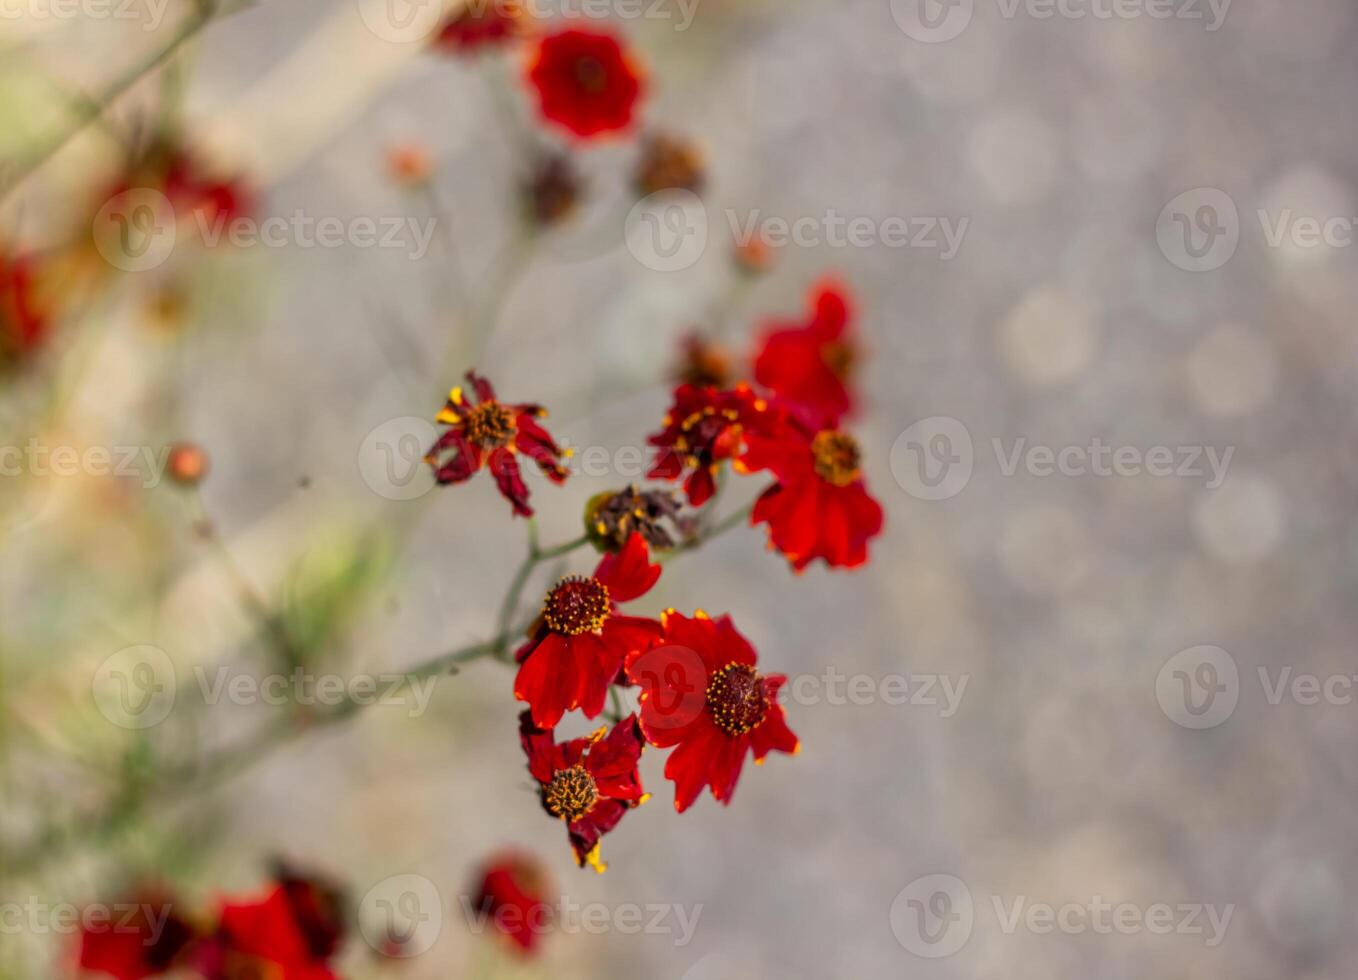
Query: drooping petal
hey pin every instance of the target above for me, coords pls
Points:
(690, 764)
(549, 680)
(505, 468)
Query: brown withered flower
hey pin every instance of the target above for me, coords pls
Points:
(703, 362)
(611, 517)
(668, 163)
(552, 191)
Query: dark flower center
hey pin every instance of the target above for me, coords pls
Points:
(838, 357)
(700, 431)
(491, 424)
(836, 457)
(576, 605)
(571, 794)
(241, 966)
(736, 698)
(591, 74)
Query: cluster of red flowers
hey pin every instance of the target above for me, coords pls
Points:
(290, 932)
(700, 691)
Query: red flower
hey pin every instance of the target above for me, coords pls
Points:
(171, 167)
(704, 427)
(23, 322)
(483, 23)
(587, 782)
(274, 936)
(145, 944)
(579, 643)
(513, 894)
(585, 82)
(808, 365)
(739, 711)
(489, 432)
(819, 508)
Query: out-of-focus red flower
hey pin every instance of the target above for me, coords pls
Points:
(578, 645)
(409, 164)
(820, 506)
(23, 321)
(670, 162)
(144, 944)
(318, 907)
(483, 24)
(551, 191)
(739, 713)
(187, 464)
(703, 363)
(513, 894)
(489, 432)
(171, 167)
(586, 82)
(702, 429)
(753, 257)
(274, 936)
(808, 366)
(587, 782)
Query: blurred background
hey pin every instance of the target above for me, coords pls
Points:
(1107, 411)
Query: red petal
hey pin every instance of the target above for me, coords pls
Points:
(629, 573)
(549, 680)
